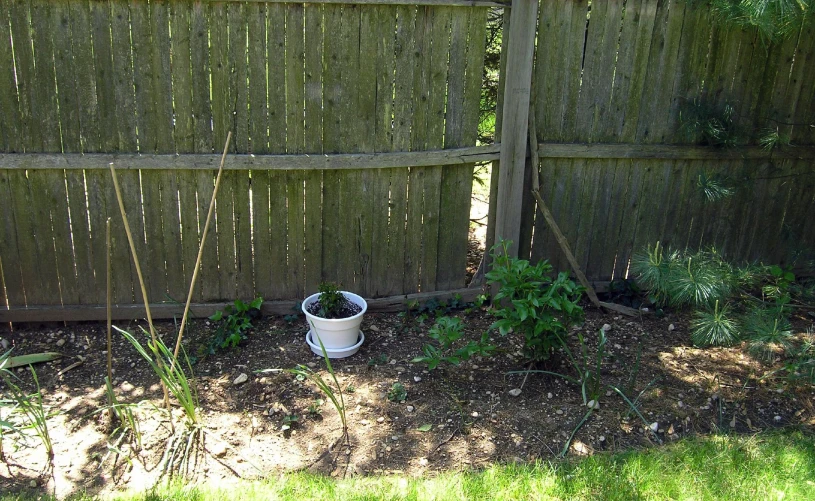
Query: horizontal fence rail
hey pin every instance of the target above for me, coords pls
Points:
(354, 128)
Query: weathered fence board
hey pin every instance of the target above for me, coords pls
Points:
(616, 85)
(154, 87)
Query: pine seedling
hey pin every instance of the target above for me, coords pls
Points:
(714, 328)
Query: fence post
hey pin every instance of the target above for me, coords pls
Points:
(517, 90)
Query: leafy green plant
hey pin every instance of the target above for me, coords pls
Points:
(289, 422)
(315, 409)
(446, 331)
(397, 393)
(538, 307)
(233, 323)
(714, 328)
(331, 300)
(378, 360)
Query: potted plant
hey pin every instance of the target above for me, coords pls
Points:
(334, 316)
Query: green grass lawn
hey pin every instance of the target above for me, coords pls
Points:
(771, 466)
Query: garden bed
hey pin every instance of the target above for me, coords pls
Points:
(473, 418)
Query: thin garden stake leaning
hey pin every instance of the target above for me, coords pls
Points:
(200, 251)
(138, 273)
(109, 319)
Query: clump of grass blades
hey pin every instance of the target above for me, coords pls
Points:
(30, 405)
(336, 398)
(589, 370)
(170, 373)
(714, 328)
(128, 423)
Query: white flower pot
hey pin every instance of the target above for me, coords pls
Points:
(336, 333)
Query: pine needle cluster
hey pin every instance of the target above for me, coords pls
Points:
(773, 19)
(749, 303)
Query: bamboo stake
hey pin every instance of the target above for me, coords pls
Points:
(200, 251)
(109, 317)
(141, 278)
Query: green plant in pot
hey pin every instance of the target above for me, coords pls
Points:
(334, 316)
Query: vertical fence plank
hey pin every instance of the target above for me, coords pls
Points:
(262, 233)
(601, 256)
(173, 256)
(30, 134)
(258, 109)
(237, 77)
(131, 187)
(10, 122)
(104, 76)
(43, 236)
(404, 50)
(56, 198)
(453, 182)
(161, 83)
(279, 219)
(201, 105)
(332, 143)
(313, 244)
(124, 97)
(154, 257)
(656, 97)
(84, 76)
(44, 97)
(21, 204)
(82, 240)
(143, 75)
(221, 68)
(226, 235)
(243, 237)
(384, 20)
(209, 279)
(188, 230)
(574, 47)
(12, 260)
(66, 84)
(181, 76)
(413, 238)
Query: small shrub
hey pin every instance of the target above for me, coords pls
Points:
(768, 331)
(446, 331)
(397, 393)
(332, 303)
(233, 323)
(684, 278)
(538, 307)
(714, 328)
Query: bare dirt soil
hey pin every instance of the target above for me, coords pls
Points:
(474, 419)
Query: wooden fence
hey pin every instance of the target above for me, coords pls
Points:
(612, 84)
(155, 87)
